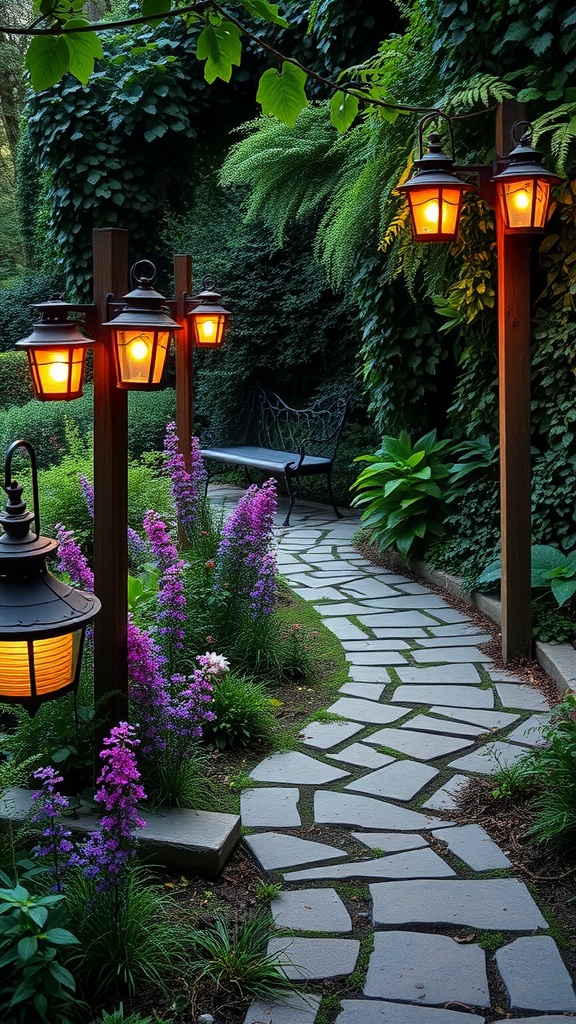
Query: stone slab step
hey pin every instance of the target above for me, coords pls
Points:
(196, 841)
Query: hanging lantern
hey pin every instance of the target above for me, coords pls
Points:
(56, 354)
(142, 333)
(523, 187)
(209, 318)
(434, 193)
(42, 620)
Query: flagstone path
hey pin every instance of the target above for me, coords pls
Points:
(423, 708)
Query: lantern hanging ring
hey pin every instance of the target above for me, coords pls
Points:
(140, 277)
(522, 132)
(11, 486)
(432, 119)
(209, 283)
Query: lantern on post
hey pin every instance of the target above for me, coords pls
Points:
(434, 193)
(56, 353)
(208, 318)
(42, 620)
(142, 333)
(523, 187)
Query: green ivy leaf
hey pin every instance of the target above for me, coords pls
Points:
(264, 11)
(155, 7)
(221, 47)
(84, 48)
(47, 59)
(282, 93)
(343, 110)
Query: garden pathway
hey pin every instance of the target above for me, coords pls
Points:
(423, 707)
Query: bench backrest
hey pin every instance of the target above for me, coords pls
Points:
(273, 424)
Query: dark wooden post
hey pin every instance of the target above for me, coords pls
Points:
(514, 411)
(184, 358)
(110, 255)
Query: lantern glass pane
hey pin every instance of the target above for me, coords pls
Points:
(30, 668)
(208, 329)
(141, 355)
(435, 213)
(57, 373)
(524, 203)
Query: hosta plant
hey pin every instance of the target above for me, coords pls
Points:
(402, 490)
(551, 569)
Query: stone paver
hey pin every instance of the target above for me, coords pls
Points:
(362, 756)
(294, 1009)
(323, 735)
(366, 711)
(315, 959)
(491, 758)
(312, 910)
(408, 864)
(371, 691)
(444, 799)
(270, 807)
(535, 976)
(518, 696)
(390, 842)
(421, 968)
(462, 696)
(409, 654)
(362, 1011)
(443, 674)
(473, 845)
(497, 904)
(427, 723)
(346, 809)
(274, 850)
(424, 746)
(450, 654)
(399, 781)
(295, 767)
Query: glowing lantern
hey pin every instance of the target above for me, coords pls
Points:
(42, 620)
(142, 334)
(209, 318)
(523, 187)
(434, 193)
(56, 354)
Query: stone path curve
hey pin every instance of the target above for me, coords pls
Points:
(422, 708)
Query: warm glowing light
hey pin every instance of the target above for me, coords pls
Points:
(138, 350)
(521, 200)
(207, 328)
(58, 370)
(432, 212)
(37, 667)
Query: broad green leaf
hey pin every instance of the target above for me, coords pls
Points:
(563, 590)
(155, 7)
(266, 12)
(491, 573)
(60, 936)
(282, 94)
(398, 447)
(47, 59)
(545, 559)
(343, 110)
(415, 459)
(38, 915)
(221, 47)
(27, 947)
(84, 47)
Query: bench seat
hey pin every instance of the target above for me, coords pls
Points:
(266, 459)
(270, 436)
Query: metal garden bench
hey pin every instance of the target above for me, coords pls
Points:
(287, 443)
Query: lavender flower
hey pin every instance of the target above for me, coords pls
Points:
(88, 492)
(171, 596)
(148, 687)
(71, 560)
(186, 487)
(107, 852)
(244, 562)
(54, 846)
